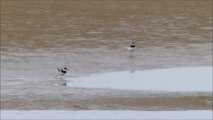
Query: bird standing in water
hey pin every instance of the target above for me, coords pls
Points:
(131, 48)
(61, 72)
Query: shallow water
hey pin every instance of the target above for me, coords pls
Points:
(194, 79)
(90, 37)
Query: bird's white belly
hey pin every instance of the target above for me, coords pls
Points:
(130, 49)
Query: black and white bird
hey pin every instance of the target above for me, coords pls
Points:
(61, 72)
(131, 48)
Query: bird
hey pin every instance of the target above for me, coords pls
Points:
(131, 48)
(62, 72)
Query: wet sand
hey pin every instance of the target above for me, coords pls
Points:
(103, 99)
(90, 38)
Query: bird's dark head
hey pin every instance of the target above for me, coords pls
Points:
(65, 68)
(132, 42)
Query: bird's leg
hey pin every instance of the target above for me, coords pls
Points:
(131, 54)
(56, 77)
(61, 78)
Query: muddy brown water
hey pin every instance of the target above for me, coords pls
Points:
(90, 37)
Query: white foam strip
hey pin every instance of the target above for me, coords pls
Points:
(95, 114)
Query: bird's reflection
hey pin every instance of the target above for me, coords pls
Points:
(61, 81)
(132, 73)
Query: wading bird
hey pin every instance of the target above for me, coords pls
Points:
(131, 48)
(61, 72)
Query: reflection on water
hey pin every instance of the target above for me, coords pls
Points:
(91, 36)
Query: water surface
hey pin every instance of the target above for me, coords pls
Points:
(177, 80)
